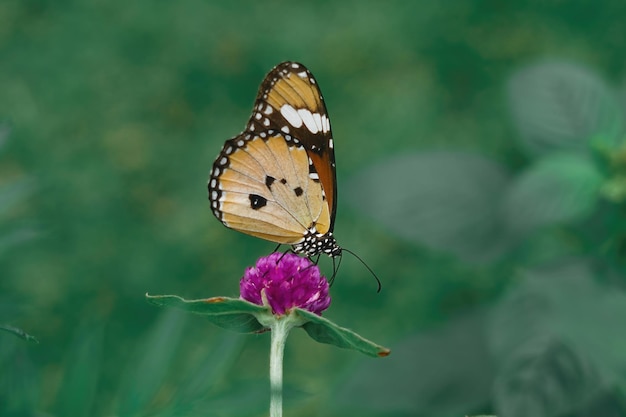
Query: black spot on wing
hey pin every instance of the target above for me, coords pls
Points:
(257, 201)
(283, 181)
(269, 180)
(298, 191)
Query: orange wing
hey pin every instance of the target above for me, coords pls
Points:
(289, 100)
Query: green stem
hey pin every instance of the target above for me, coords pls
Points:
(279, 330)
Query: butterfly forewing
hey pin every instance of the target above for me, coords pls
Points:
(289, 100)
(276, 180)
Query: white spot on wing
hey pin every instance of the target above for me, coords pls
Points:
(268, 109)
(308, 120)
(291, 115)
(318, 121)
(325, 124)
(285, 129)
(302, 74)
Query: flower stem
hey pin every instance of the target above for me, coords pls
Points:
(279, 330)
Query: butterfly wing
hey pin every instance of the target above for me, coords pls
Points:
(261, 185)
(290, 101)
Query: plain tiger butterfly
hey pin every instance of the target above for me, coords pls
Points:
(276, 180)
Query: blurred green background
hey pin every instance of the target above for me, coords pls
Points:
(481, 168)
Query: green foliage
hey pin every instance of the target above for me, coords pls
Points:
(19, 391)
(560, 106)
(546, 333)
(243, 316)
(12, 194)
(144, 376)
(229, 313)
(18, 332)
(325, 331)
(450, 363)
(445, 200)
(558, 189)
(481, 167)
(82, 371)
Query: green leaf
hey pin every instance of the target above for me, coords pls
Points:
(560, 188)
(18, 332)
(614, 189)
(562, 106)
(325, 331)
(445, 200)
(241, 316)
(545, 378)
(559, 339)
(229, 313)
(146, 373)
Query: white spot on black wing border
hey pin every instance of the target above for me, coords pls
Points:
(221, 164)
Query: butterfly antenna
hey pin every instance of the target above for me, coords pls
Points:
(366, 266)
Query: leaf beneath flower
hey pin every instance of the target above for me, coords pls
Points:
(229, 313)
(325, 331)
(241, 316)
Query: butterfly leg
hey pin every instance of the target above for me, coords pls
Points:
(336, 266)
(284, 253)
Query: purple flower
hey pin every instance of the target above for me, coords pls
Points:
(287, 281)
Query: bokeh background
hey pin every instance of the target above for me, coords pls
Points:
(481, 167)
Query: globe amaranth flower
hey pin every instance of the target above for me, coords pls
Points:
(286, 281)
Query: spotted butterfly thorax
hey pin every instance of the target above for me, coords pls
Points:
(276, 180)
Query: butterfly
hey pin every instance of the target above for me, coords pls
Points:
(276, 180)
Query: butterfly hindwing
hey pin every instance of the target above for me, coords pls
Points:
(260, 185)
(289, 100)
